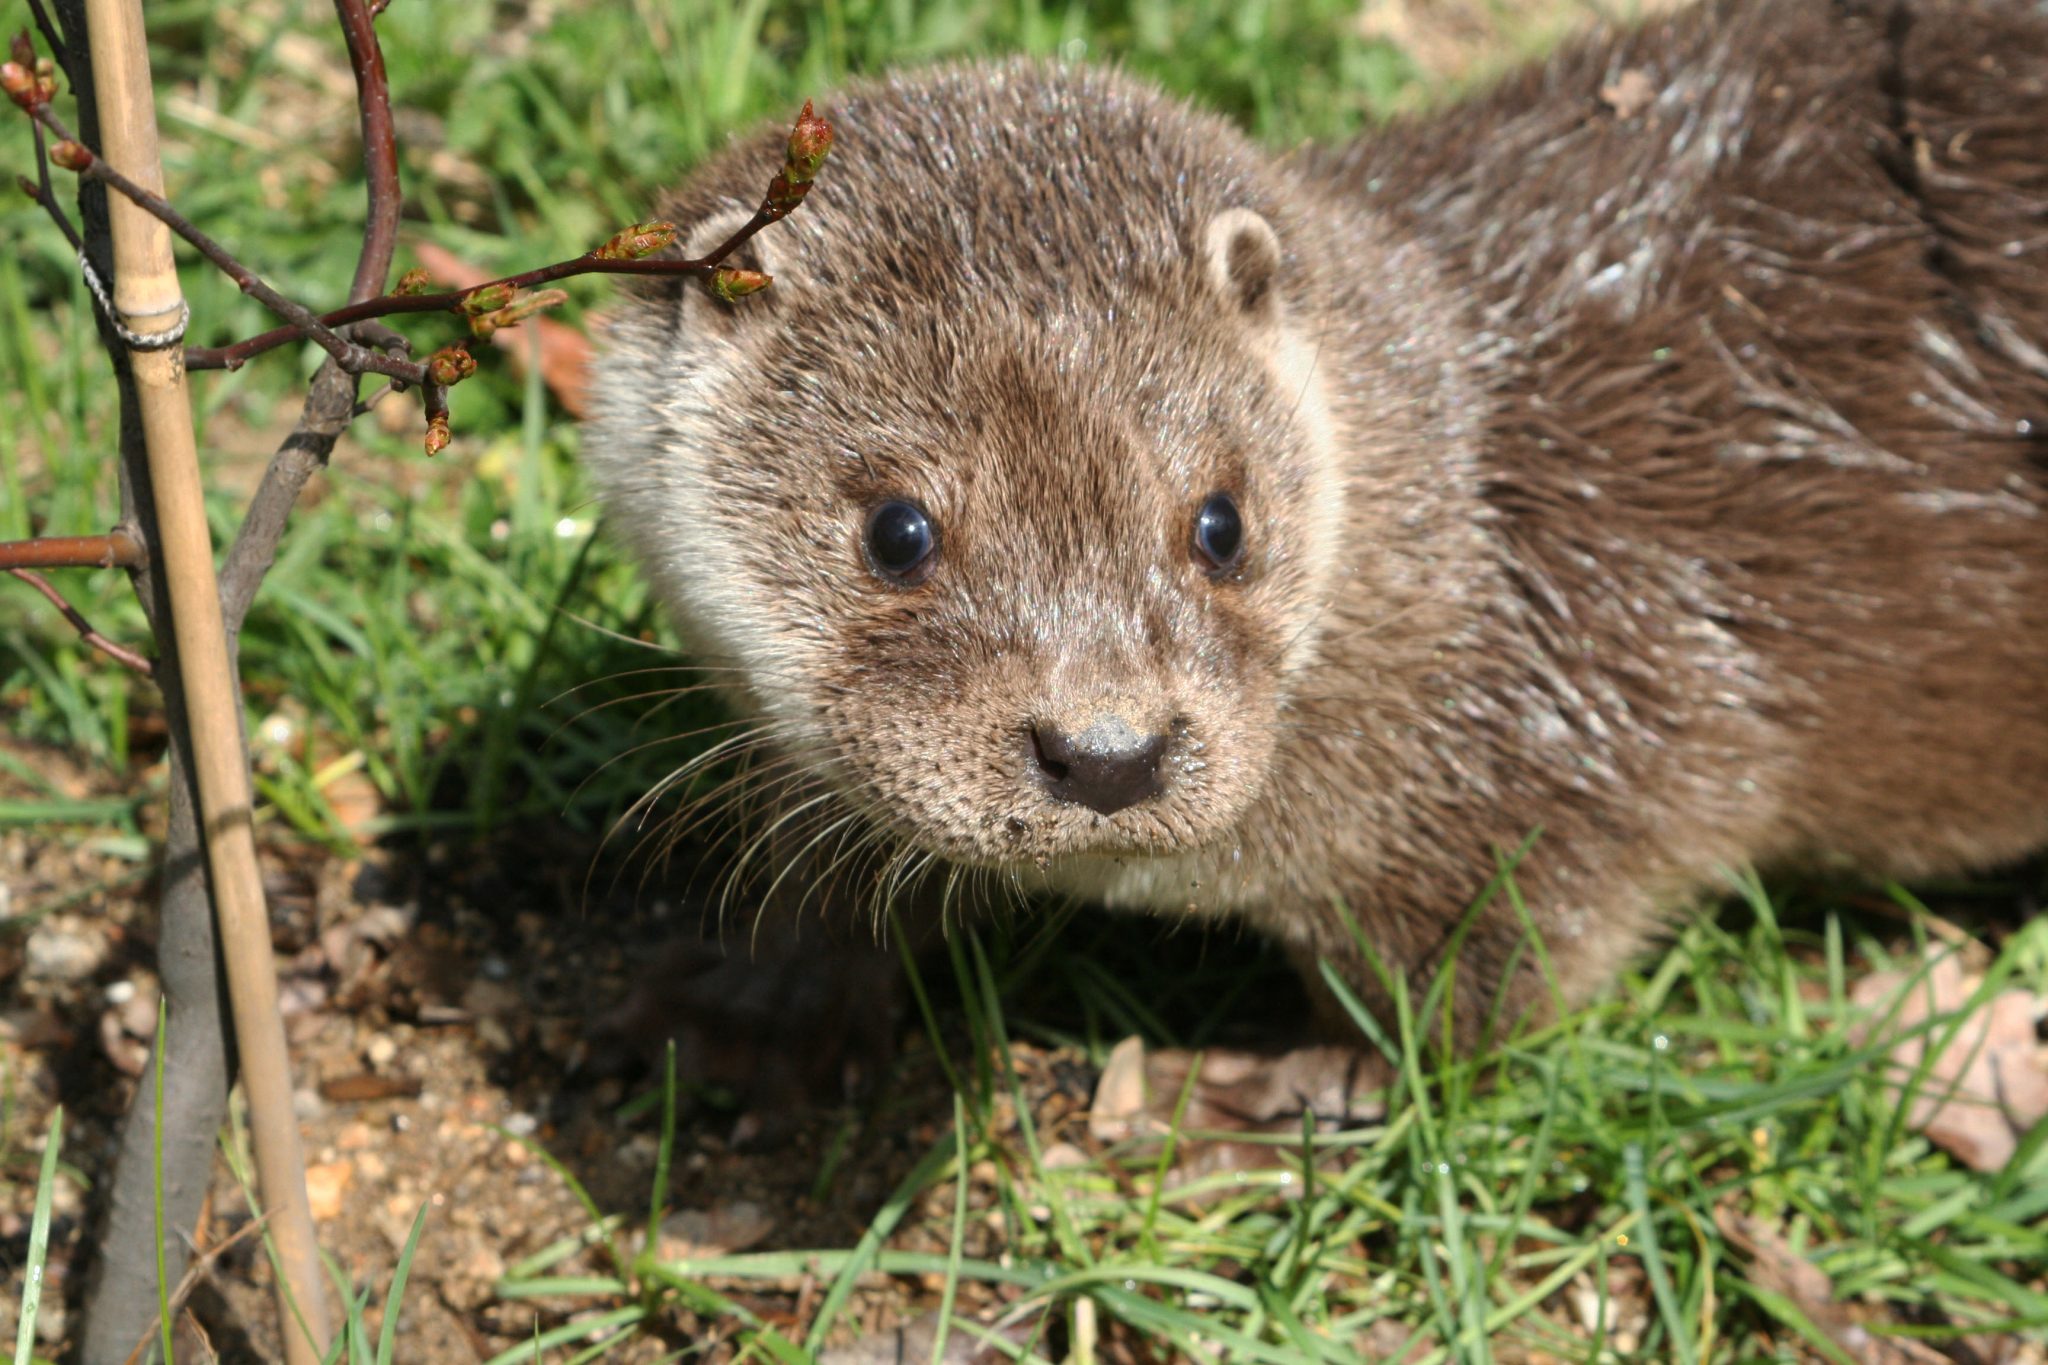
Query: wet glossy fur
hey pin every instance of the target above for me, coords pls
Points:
(1668, 478)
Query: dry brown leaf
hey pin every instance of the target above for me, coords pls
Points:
(688, 1234)
(1235, 1091)
(914, 1341)
(1988, 1083)
(1775, 1266)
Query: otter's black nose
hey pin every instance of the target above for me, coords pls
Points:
(1105, 767)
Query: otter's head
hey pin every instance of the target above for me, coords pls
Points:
(1013, 500)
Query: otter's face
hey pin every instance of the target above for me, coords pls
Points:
(1027, 584)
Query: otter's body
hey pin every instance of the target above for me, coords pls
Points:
(1666, 472)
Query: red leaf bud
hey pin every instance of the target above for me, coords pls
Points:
(641, 239)
(437, 434)
(450, 365)
(487, 298)
(526, 305)
(809, 142)
(18, 80)
(783, 196)
(70, 155)
(413, 281)
(729, 283)
(22, 50)
(520, 309)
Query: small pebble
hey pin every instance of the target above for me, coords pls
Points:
(55, 952)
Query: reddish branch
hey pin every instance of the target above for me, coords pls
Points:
(51, 36)
(466, 300)
(380, 147)
(124, 656)
(117, 548)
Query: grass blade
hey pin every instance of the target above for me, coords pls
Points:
(38, 1244)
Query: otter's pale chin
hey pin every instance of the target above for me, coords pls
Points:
(1194, 881)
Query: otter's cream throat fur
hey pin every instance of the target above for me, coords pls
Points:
(1100, 502)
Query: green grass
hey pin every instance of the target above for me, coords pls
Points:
(1728, 1077)
(423, 619)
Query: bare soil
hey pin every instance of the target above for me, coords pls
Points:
(437, 1000)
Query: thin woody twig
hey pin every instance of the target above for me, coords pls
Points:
(453, 300)
(58, 51)
(169, 1160)
(44, 193)
(489, 306)
(628, 253)
(150, 305)
(380, 148)
(331, 400)
(75, 156)
(120, 654)
(115, 549)
(386, 339)
(368, 404)
(201, 1270)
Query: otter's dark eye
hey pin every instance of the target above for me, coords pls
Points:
(901, 541)
(1219, 533)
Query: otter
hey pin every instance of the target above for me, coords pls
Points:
(1649, 455)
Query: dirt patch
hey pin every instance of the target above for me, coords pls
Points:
(437, 1001)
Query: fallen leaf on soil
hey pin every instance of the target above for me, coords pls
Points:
(354, 799)
(692, 1234)
(1234, 1091)
(1988, 1083)
(915, 1339)
(1776, 1268)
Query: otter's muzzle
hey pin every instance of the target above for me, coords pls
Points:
(1106, 767)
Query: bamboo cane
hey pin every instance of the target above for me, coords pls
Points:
(149, 303)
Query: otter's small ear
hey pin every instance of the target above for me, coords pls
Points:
(1242, 253)
(766, 251)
